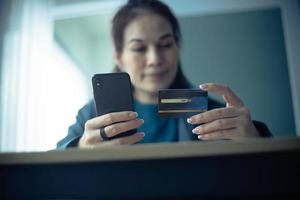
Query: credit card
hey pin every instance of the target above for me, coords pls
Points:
(182, 103)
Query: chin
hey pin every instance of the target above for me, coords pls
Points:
(155, 87)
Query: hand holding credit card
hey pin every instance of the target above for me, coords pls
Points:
(182, 103)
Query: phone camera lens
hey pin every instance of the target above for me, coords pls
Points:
(98, 85)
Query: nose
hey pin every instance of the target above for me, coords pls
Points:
(153, 57)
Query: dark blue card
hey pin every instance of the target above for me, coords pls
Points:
(182, 103)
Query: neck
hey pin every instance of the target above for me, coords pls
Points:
(146, 97)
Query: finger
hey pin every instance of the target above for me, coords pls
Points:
(221, 134)
(128, 140)
(91, 138)
(228, 95)
(122, 127)
(214, 114)
(110, 118)
(132, 139)
(94, 135)
(216, 125)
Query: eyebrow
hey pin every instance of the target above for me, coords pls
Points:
(166, 36)
(161, 38)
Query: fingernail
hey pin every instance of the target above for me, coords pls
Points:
(203, 86)
(200, 136)
(142, 121)
(133, 114)
(143, 134)
(190, 120)
(194, 130)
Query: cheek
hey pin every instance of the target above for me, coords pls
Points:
(130, 62)
(172, 59)
(133, 65)
(172, 64)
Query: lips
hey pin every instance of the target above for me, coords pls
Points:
(155, 74)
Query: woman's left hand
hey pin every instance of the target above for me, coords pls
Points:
(231, 122)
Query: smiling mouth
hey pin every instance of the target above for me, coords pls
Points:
(155, 75)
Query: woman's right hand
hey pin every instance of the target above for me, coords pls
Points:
(113, 124)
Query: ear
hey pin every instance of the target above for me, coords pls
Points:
(118, 60)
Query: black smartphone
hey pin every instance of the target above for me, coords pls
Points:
(113, 93)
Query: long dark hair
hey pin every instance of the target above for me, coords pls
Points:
(133, 9)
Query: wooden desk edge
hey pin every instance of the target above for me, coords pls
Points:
(153, 151)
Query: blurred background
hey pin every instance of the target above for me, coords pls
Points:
(49, 50)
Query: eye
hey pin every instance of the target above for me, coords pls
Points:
(166, 45)
(139, 49)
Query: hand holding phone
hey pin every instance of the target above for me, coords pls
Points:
(114, 105)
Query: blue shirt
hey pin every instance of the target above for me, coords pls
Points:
(156, 129)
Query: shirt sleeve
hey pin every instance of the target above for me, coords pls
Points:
(76, 130)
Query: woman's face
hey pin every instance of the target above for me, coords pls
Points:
(150, 53)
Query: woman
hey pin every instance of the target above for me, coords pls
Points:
(146, 38)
